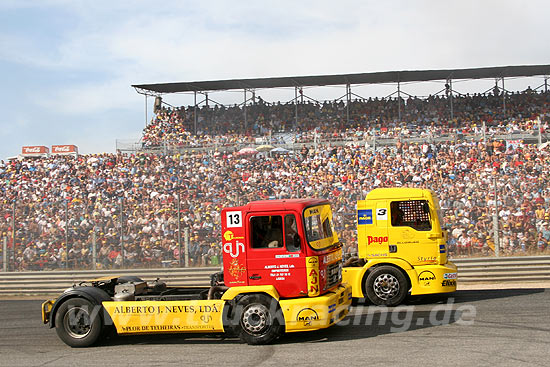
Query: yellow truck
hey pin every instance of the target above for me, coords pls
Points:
(282, 272)
(402, 248)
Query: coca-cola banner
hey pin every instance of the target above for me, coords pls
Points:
(64, 149)
(37, 150)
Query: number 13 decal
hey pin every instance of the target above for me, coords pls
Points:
(233, 219)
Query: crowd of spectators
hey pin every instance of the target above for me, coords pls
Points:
(383, 118)
(63, 205)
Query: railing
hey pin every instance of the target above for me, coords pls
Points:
(167, 147)
(494, 270)
(504, 269)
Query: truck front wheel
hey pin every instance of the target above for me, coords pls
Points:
(78, 323)
(260, 319)
(386, 285)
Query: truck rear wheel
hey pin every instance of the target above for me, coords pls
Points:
(78, 323)
(260, 320)
(386, 285)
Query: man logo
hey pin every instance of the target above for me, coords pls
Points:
(426, 277)
(307, 315)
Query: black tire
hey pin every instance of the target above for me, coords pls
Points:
(78, 322)
(259, 319)
(386, 286)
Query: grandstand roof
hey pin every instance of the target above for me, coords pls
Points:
(343, 79)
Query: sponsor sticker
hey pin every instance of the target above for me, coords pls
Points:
(233, 249)
(234, 219)
(364, 216)
(448, 283)
(426, 277)
(236, 269)
(449, 276)
(381, 214)
(377, 239)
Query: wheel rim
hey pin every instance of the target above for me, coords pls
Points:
(255, 319)
(77, 322)
(386, 286)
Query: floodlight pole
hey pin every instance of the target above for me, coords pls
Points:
(398, 101)
(503, 98)
(122, 254)
(5, 254)
(66, 234)
(94, 249)
(348, 100)
(13, 234)
(295, 108)
(495, 221)
(195, 114)
(186, 239)
(244, 111)
(179, 227)
(450, 82)
(539, 127)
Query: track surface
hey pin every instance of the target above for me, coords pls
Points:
(472, 327)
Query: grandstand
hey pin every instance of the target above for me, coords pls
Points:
(297, 120)
(157, 203)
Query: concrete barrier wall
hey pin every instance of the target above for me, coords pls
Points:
(504, 269)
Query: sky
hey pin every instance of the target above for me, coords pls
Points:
(67, 66)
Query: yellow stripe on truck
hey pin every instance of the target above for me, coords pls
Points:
(136, 317)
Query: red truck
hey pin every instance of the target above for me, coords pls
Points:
(282, 272)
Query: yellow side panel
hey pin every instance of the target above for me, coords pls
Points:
(136, 317)
(432, 279)
(312, 270)
(46, 310)
(315, 313)
(354, 277)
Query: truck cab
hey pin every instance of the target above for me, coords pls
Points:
(402, 248)
(282, 272)
(288, 244)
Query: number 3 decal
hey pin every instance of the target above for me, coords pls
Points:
(381, 214)
(233, 219)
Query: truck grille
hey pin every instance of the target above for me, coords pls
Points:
(334, 274)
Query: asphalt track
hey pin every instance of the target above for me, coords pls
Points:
(509, 327)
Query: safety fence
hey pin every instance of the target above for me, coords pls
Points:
(504, 269)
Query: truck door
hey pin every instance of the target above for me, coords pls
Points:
(414, 231)
(377, 236)
(276, 254)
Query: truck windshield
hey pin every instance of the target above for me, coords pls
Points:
(319, 227)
